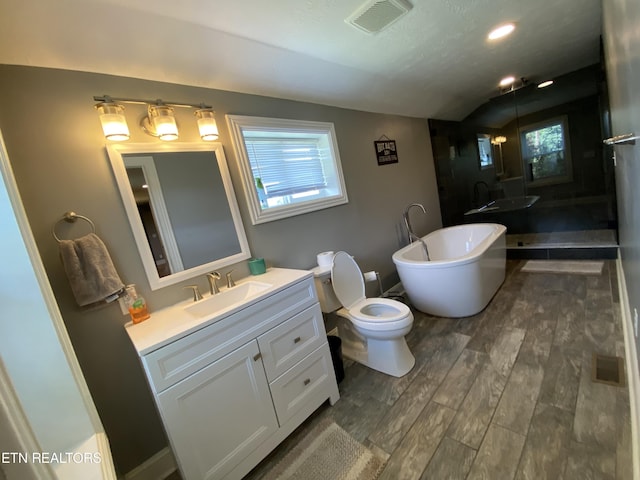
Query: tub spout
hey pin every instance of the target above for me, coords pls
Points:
(413, 236)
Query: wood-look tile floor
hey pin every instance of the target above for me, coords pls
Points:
(505, 394)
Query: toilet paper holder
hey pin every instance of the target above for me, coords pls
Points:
(372, 276)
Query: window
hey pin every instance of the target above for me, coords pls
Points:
(289, 167)
(546, 153)
(484, 151)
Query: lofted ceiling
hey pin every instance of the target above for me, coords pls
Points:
(435, 62)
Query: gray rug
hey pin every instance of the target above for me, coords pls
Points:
(327, 452)
(584, 267)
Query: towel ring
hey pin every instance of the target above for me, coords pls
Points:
(71, 217)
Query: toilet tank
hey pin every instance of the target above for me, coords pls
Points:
(328, 300)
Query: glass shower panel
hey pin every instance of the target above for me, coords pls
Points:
(564, 161)
(547, 175)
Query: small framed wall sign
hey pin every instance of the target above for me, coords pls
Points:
(386, 151)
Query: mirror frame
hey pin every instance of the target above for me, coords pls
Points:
(116, 152)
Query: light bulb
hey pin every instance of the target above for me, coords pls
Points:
(501, 31)
(207, 124)
(114, 123)
(163, 122)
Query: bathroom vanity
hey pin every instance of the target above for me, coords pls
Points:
(235, 373)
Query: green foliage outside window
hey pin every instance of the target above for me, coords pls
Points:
(544, 151)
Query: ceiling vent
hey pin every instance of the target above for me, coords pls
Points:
(376, 15)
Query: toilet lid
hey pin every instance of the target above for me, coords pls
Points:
(347, 280)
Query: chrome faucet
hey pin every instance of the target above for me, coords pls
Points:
(196, 292)
(476, 193)
(410, 233)
(407, 223)
(213, 286)
(230, 282)
(424, 244)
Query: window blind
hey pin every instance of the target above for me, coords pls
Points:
(286, 166)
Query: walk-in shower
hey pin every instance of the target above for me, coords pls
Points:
(533, 160)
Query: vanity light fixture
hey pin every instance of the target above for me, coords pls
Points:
(159, 121)
(545, 84)
(501, 31)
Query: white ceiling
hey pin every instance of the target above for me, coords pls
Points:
(435, 62)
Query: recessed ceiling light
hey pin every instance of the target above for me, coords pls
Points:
(507, 81)
(501, 31)
(545, 84)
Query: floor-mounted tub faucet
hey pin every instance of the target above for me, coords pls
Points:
(407, 223)
(410, 233)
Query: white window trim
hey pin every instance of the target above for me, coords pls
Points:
(258, 215)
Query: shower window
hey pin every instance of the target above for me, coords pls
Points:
(545, 152)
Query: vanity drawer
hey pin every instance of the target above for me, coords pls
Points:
(288, 343)
(177, 360)
(302, 383)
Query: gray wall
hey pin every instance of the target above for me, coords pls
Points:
(622, 44)
(56, 148)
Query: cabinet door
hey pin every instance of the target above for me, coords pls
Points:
(218, 415)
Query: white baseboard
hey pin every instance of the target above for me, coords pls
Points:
(158, 467)
(633, 374)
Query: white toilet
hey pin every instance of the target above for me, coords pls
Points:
(375, 330)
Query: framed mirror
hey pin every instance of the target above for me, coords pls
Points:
(181, 207)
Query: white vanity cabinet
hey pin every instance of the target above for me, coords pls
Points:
(230, 392)
(216, 415)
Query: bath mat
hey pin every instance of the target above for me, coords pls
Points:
(327, 452)
(584, 267)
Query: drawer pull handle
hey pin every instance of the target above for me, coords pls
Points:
(307, 381)
(257, 357)
(297, 340)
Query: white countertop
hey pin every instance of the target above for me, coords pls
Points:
(171, 323)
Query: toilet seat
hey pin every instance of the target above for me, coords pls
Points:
(372, 313)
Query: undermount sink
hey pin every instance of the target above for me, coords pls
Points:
(226, 298)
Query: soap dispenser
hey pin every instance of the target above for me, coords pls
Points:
(136, 305)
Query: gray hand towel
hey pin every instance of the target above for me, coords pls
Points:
(91, 273)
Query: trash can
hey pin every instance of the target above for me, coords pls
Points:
(335, 346)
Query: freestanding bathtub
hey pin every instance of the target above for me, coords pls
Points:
(466, 267)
